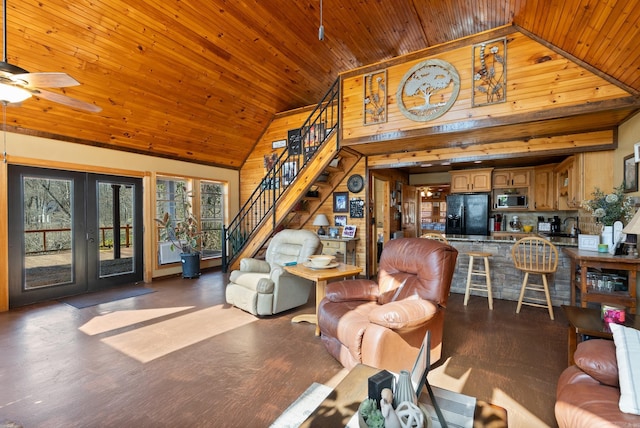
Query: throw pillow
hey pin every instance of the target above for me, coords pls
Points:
(627, 342)
(597, 358)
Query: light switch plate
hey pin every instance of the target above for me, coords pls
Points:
(588, 242)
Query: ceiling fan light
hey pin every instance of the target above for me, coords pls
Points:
(12, 94)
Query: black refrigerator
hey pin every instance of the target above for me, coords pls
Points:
(468, 214)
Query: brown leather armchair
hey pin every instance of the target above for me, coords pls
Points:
(382, 324)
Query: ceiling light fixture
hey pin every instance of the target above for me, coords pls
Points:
(321, 29)
(10, 94)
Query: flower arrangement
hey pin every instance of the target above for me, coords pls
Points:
(611, 207)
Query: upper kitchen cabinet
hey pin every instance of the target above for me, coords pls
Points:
(568, 175)
(544, 190)
(516, 177)
(471, 180)
(578, 175)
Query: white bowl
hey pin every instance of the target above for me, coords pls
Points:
(320, 260)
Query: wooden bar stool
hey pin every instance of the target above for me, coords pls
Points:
(486, 273)
(534, 255)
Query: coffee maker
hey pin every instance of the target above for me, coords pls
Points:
(555, 225)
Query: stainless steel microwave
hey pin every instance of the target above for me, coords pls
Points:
(511, 201)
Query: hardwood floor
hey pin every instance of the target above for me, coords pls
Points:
(182, 357)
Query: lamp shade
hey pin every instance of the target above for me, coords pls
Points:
(634, 225)
(321, 220)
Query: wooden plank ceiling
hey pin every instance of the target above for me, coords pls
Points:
(200, 80)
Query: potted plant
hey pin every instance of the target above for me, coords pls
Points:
(183, 234)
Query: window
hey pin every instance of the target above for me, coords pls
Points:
(211, 218)
(207, 206)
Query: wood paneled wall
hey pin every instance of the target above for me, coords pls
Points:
(538, 79)
(598, 140)
(360, 223)
(253, 170)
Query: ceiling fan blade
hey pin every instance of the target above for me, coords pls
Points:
(67, 101)
(46, 80)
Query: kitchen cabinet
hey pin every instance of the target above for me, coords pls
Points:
(578, 175)
(544, 191)
(516, 177)
(568, 174)
(471, 180)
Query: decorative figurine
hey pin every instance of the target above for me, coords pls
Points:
(391, 420)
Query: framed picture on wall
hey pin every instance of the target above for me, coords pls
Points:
(630, 174)
(289, 171)
(340, 202)
(340, 220)
(294, 142)
(279, 144)
(349, 231)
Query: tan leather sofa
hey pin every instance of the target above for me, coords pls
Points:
(588, 392)
(263, 287)
(382, 324)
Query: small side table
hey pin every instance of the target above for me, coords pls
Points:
(589, 259)
(346, 246)
(587, 321)
(320, 277)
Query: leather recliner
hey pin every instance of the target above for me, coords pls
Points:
(382, 324)
(588, 393)
(263, 287)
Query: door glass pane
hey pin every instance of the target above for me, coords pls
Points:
(115, 232)
(48, 232)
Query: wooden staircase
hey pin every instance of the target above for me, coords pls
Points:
(304, 196)
(322, 189)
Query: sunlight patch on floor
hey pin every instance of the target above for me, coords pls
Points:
(517, 414)
(120, 319)
(150, 342)
(439, 377)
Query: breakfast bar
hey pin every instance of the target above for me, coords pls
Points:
(505, 278)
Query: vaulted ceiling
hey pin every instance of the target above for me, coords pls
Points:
(200, 80)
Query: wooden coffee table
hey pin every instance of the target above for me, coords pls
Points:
(320, 277)
(588, 321)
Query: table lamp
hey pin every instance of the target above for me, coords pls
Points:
(633, 228)
(321, 220)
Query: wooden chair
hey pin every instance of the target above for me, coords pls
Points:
(534, 255)
(437, 236)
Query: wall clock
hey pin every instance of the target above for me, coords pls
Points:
(355, 183)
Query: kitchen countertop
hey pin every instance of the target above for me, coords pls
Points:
(559, 241)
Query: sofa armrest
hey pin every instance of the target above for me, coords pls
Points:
(254, 265)
(403, 314)
(353, 289)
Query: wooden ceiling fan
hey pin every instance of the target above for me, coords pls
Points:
(17, 84)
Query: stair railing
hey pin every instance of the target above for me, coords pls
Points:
(262, 203)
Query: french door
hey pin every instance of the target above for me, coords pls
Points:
(71, 233)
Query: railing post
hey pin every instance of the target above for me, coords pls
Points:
(225, 268)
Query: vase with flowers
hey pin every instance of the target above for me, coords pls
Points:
(607, 208)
